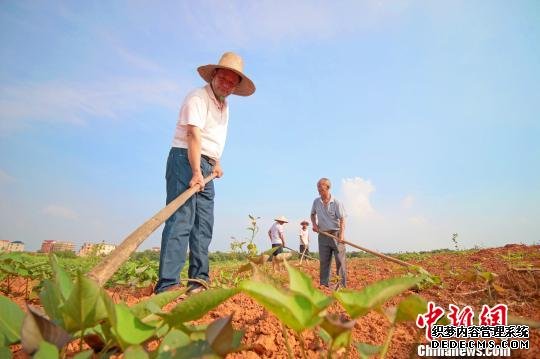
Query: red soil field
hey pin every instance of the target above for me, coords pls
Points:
(517, 285)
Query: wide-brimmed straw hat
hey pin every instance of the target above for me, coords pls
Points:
(281, 219)
(233, 62)
(304, 221)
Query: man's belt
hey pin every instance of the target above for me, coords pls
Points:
(209, 159)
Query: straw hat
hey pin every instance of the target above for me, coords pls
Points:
(233, 62)
(304, 221)
(281, 219)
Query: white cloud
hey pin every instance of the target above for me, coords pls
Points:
(386, 229)
(256, 23)
(137, 61)
(408, 201)
(356, 192)
(22, 104)
(418, 220)
(60, 212)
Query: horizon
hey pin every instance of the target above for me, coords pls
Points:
(423, 115)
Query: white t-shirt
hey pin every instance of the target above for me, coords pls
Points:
(304, 236)
(275, 230)
(202, 109)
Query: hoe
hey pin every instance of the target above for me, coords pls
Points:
(110, 264)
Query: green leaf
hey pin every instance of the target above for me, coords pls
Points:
(36, 329)
(61, 278)
(52, 300)
(301, 283)
(360, 303)
(196, 349)
(323, 334)
(293, 309)
(46, 351)
(135, 352)
(367, 350)
(343, 340)
(171, 343)
(87, 354)
(148, 306)
(197, 305)
(409, 308)
(129, 328)
(11, 318)
(222, 337)
(488, 276)
(5, 352)
(85, 307)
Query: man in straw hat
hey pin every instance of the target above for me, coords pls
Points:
(276, 233)
(196, 151)
(304, 237)
(328, 215)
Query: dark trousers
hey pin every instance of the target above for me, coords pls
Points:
(277, 251)
(304, 248)
(328, 247)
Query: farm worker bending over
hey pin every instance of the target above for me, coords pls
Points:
(196, 151)
(276, 233)
(328, 215)
(304, 237)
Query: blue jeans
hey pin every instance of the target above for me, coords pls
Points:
(191, 224)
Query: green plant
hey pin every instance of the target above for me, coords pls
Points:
(80, 310)
(454, 239)
(30, 268)
(136, 273)
(254, 229)
(302, 307)
(478, 274)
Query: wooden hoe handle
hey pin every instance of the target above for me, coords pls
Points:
(110, 264)
(388, 258)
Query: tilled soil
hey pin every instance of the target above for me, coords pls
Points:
(516, 284)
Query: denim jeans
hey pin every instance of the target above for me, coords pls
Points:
(191, 224)
(327, 247)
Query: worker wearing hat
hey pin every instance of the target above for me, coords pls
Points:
(195, 153)
(276, 233)
(304, 237)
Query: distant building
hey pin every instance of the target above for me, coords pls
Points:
(86, 249)
(15, 246)
(156, 249)
(97, 249)
(63, 246)
(4, 244)
(47, 246)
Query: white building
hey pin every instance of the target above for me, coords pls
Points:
(96, 249)
(15, 246)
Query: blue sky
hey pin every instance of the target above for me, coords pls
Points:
(425, 115)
